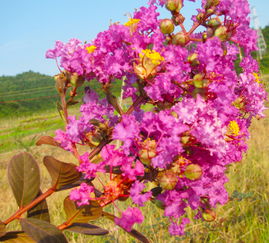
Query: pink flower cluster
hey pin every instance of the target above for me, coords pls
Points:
(192, 107)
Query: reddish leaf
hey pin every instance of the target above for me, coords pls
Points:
(16, 237)
(87, 229)
(81, 214)
(24, 178)
(42, 231)
(62, 174)
(47, 140)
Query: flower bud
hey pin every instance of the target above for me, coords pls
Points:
(174, 5)
(167, 26)
(178, 19)
(148, 151)
(221, 32)
(200, 17)
(211, 3)
(167, 179)
(193, 172)
(76, 80)
(209, 215)
(214, 23)
(193, 59)
(180, 39)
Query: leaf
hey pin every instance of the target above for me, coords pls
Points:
(62, 174)
(81, 214)
(17, 237)
(40, 211)
(42, 231)
(133, 232)
(138, 236)
(24, 178)
(2, 229)
(87, 229)
(47, 140)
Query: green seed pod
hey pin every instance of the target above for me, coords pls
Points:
(193, 172)
(174, 5)
(167, 26)
(167, 180)
(214, 23)
(221, 32)
(180, 39)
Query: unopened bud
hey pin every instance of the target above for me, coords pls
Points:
(76, 80)
(174, 5)
(200, 18)
(221, 32)
(214, 23)
(148, 151)
(204, 36)
(211, 3)
(209, 215)
(167, 26)
(193, 59)
(193, 172)
(180, 39)
(61, 81)
(167, 180)
(178, 19)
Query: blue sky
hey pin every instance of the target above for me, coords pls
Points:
(30, 27)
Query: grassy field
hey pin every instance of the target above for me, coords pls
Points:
(244, 219)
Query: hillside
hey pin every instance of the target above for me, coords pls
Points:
(30, 93)
(26, 93)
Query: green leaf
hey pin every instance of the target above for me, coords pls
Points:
(2, 229)
(40, 211)
(42, 231)
(17, 237)
(133, 232)
(62, 174)
(47, 140)
(86, 229)
(24, 178)
(81, 214)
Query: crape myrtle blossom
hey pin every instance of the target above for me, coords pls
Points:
(189, 109)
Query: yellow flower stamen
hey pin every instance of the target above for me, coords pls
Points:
(154, 56)
(132, 22)
(257, 77)
(91, 49)
(233, 128)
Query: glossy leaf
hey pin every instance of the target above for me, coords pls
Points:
(133, 232)
(16, 237)
(62, 174)
(81, 214)
(24, 178)
(86, 229)
(47, 140)
(2, 229)
(42, 231)
(40, 211)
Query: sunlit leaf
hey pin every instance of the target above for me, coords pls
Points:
(81, 214)
(24, 178)
(62, 174)
(42, 231)
(47, 140)
(17, 237)
(87, 229)
(40, 211)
